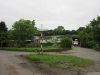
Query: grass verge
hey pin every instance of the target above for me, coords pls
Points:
(62, 61)
(45, 49)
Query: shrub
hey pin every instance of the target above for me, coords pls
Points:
(57, 45)
(30, 45)
(66, 42)
(91, 44)
(47, 44)
(97, 47)
(37, 44)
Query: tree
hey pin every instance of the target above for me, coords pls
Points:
(80, 29)
(83, 39)
(66, 42)
(73, 32)
(86, 37)
(59, 30)
(23, 30)
(95, 24)
(90, 35)
(3, 34)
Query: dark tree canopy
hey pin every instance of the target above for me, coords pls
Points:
(3, 27)
(23, 30)
(3, 34)
(90, 36)
(95, 24)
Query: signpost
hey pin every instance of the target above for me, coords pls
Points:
(41, 40)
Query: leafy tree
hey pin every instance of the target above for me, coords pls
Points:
(83, 38)
(95, 25)
(73, 32)
(80, 29)
(59, 30)
(23, 30)
(48, 32)
(3, 34)
(66, 42)
(86, 37)
(3, 27)
(90, 36)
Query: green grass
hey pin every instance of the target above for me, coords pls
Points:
(62, 61)
(45, 49)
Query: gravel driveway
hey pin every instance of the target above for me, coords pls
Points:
(11, 64)
(88, 54)
(84, 53)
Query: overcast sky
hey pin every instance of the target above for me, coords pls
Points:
(69, 13)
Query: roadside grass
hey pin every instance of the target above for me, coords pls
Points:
(35, 49)
(60, 61)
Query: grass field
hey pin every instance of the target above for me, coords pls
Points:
(45, 49)
(62, 61)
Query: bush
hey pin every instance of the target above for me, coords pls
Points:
(47, 44)
(66, 42)
(91, 44)
(97, 47)
(37, 44)
(29, 45)
(88, 44)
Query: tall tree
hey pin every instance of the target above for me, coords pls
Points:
(23, 30)
(90, 36)
(95, 24)
(3, 27)
(3, 34)
(59, 30)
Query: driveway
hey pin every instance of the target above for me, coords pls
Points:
(12, 64)
(88, 54)
(84, 53)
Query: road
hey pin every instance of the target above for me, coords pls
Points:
(12, 64)
(88, 54)
(84, 53)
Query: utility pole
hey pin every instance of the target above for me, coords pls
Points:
(41, 42)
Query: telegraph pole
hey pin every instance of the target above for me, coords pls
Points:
(41, 42)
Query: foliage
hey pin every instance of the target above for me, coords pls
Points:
(59, 30)
(83, 38)
(33, 49)
(90, 36)
(61, 61)
(3, 27)
(48, 44)
(23, 30)
(81, 29)
(66, 42)
(91, 44)
(3, 34)
(75, 37)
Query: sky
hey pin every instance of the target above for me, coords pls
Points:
(71, 14)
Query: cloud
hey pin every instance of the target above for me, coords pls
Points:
(70, 13)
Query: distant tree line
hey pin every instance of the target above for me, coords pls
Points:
(23, 30)
(60, 30)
